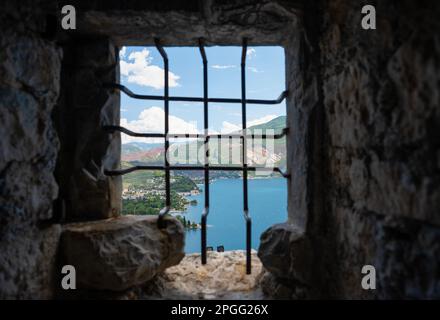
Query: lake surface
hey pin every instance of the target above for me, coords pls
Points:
(226, 224)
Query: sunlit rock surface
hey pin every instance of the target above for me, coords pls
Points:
(118, 253)
(223, 277)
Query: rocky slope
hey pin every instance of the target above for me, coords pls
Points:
(223, 277)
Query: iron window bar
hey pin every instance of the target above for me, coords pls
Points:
(112, 129)
(247, 217)
(133, 95)
(206, 167)
(193, 168)
(164, 211)
(206, 153)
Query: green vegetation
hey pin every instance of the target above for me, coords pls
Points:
(187, 223)
(151, 204)
(143, 179)
(134, 147)
(277, 124)
(144, 192)
(183, 184)
(129, 148)
(154, 180)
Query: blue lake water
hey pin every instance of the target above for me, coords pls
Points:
(226, 224)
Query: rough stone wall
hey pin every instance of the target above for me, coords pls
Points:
(52, 107)
(86, 149)
(363, 146)
(370, 101)
(382, 107)
(29, 86)
(219, 22)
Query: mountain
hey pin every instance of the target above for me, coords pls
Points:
(133, 147)
(141, 152)
(138, 153)
(150, 155)
(277, 124)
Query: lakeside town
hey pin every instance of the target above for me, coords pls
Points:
(147, 195)
(144, 193)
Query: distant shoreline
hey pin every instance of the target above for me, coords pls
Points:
(241, 178)
(177, 212)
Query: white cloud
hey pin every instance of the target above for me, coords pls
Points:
(152, 120)
(216, 107)
(122, 52)
(139, 70)
(251, 52)
(228, 66)
(253, 69)
(228, 127)
(192, 104)
(261, 120)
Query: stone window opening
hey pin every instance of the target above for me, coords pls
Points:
(245, 138)
(89, 195)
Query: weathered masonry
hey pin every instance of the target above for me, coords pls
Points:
(363, 143)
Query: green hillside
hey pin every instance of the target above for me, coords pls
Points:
(137, 178)
(277, 124)
(129, 148)
(140, 178)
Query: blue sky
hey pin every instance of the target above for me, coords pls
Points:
(142, 72)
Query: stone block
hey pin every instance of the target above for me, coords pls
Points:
(119, 253)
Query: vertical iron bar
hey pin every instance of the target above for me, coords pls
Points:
(248, 245)
(206, 145)
(243, 117)
(244, 150)
(166, 107)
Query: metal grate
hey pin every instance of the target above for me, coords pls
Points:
(206, 167)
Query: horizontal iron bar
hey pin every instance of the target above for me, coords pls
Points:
(194, 135)
(112, 129)
(131, 94)
(192, 168)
